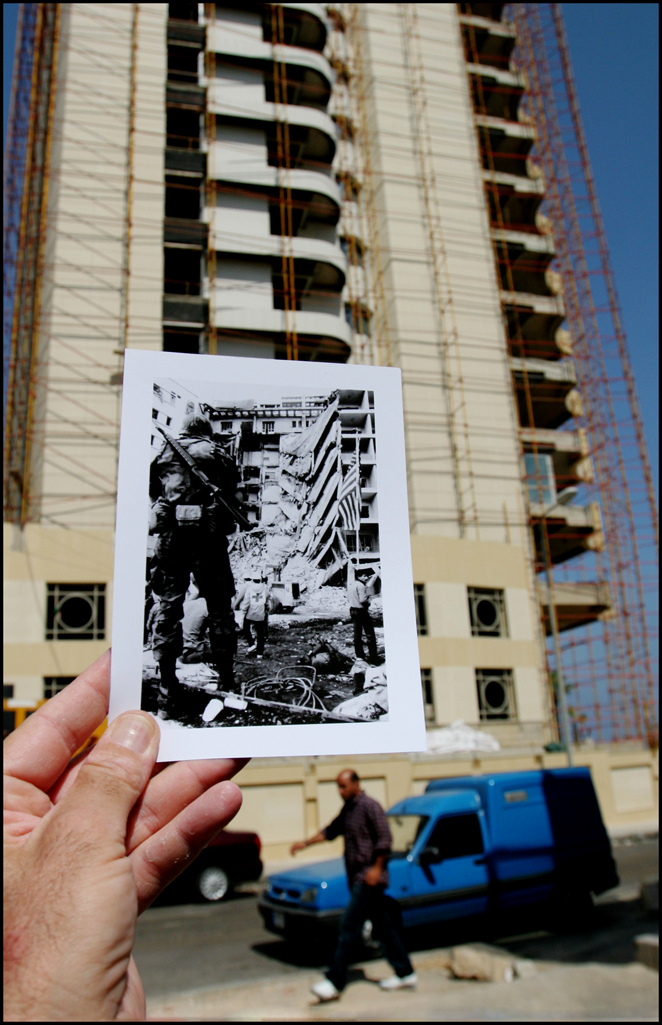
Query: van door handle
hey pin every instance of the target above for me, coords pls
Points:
(480, 861)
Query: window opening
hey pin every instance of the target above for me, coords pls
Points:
(487, 611)
(54, 684)
(540, 481)
(428, 694)
(421, 610)
(496, 694)
(76, 612)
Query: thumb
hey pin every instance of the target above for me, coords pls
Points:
(112, 777)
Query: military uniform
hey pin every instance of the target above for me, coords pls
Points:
(192, 528)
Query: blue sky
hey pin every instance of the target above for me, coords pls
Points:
(614, 49)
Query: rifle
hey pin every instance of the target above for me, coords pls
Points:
(216, 491)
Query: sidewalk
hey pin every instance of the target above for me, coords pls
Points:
(540, 991)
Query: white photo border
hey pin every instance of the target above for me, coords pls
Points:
(404, 731)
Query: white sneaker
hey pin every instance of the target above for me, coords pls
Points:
(395, 982)
(325, 991)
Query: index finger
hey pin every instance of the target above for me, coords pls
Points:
(40, 749)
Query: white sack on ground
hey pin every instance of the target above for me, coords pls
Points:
(460, 737)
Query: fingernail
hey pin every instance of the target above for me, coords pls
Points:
(134, 732)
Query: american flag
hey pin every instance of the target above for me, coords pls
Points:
(349, 497)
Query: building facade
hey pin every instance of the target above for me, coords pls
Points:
(348, 182)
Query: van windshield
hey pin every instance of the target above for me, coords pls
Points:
(405, 830)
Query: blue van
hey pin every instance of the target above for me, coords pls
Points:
(467, 846)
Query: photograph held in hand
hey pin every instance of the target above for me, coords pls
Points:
(265, 579)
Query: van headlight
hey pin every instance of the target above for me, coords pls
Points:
(309, 895)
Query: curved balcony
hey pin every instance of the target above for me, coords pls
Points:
(328, 260)
(524, 257)
(552, 387)
(309, 75)
(316, 331)
(571, 530)
(490, 42)
(577, 603)
(569, 452)
(508, 142)
(313, 131)
(305, 24)
(533, 322)
(307, 186)
(496, 93)
(514, 201)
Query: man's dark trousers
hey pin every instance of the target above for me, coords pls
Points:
(367, 902)
(363, 623)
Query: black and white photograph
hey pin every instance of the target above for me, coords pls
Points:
(263, 580)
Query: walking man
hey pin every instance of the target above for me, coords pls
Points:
(192, 527)
(365, 828)
(358, 583)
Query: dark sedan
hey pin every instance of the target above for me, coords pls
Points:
(230, 858)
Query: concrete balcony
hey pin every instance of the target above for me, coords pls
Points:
(571, 530)
(524, 258)
(487, 42)
(308, 187)
(309, 75)
(552, 387)
(491, 11)
(257, 112)
(533, 323)
(577, 603)
(569, 451)
(505, 143)
(514, 201)
(317, 332)
(325, 261)
(496, 92)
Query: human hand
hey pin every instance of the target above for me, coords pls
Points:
(88, 845)
(373, 875)
(297, 847)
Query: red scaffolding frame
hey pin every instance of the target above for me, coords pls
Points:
(611, 664)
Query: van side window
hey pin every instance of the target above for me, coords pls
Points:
(457, 836)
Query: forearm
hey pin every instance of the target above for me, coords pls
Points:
(318, 838)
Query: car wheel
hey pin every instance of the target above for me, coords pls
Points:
(213, 883)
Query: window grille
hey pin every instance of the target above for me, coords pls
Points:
(487, 611)
(496, 694)
(226, 425)
(269, 426)
(428, 694)
(54, 684)
(76, 612)
(421, 610)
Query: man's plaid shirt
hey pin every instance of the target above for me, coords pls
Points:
(367, 835)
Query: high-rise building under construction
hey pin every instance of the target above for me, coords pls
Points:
(402, 184)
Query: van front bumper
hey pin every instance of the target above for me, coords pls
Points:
(291, 920)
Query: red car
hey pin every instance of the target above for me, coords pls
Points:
(230, 858)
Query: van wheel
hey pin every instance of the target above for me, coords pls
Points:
(213, 883)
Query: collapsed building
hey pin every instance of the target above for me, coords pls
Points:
(309, 484)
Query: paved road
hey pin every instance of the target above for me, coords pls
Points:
(183, 947)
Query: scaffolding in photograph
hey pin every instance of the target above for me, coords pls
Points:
(609, 666)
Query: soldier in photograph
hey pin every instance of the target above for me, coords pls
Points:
(192, 486)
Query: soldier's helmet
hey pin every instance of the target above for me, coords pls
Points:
(196, 426)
